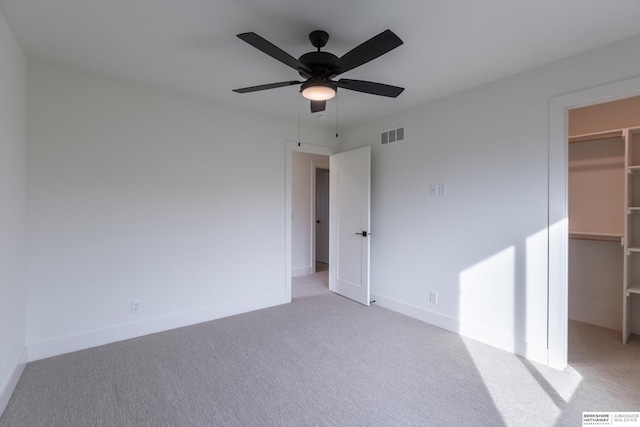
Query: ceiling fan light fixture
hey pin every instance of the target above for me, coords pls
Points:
(318, 90)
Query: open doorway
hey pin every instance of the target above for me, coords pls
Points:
(322, 218)
(302, 162)
(349, 223)
(558, 220)
(597, 175)
(604, 232)
(309, 213)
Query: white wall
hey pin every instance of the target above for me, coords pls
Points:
(483, 247)
(136, 194)
(12, 212)
(302, 208)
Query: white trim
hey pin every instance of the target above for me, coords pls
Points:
(44, 349)
(558, 195)
(12, 381)
(503, 342)
(290, 147)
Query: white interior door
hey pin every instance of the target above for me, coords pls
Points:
(350, 211)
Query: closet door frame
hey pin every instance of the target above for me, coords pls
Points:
(558, 223)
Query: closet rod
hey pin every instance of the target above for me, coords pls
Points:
(601, 237)
(595, 136)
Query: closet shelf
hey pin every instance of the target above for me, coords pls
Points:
(633, 210)
(595, 136)
(633, 249)
(633, 289)
(634, 169)
(602, 237)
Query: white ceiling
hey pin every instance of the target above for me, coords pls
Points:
(190, 46)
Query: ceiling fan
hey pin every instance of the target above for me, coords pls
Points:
(319, 67)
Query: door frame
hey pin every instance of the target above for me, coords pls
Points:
(290, 147)
(558, 202)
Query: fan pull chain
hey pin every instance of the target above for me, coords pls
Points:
(299, 97)
(337, 115)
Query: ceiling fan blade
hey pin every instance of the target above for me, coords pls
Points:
(267, 86)
(317, 106)
(370, 87)
(367, 51)
(275, 52)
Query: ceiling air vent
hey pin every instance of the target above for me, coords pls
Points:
(391, 136)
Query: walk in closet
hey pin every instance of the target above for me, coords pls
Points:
(604, 215)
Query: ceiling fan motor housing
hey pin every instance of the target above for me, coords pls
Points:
(317, 62)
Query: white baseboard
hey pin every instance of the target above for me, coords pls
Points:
(8, 387)
(521, 348)
(303, 271)
(609, 320)
(55, 347)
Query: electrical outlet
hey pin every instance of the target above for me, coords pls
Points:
(442, 189)
(433, 297)
(433, 190)
(136, 306)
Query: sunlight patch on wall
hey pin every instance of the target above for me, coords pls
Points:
(486, 294)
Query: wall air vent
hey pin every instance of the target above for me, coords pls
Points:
(391, 136)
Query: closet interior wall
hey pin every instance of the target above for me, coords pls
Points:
(597, 211)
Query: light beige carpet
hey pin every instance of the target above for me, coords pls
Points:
(323, 361)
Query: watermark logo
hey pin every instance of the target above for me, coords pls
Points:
(627, 419)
